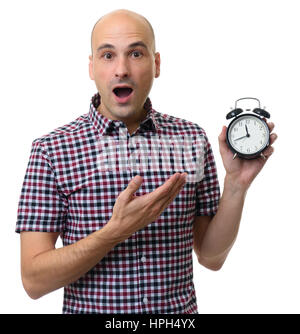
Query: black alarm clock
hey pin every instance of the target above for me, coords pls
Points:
(248, 135)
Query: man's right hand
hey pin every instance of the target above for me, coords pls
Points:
(132, 213)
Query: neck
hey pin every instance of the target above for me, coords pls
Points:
(132, 123)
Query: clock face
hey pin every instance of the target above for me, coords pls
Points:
(248, 134)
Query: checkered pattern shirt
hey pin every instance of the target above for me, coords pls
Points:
(70, 188)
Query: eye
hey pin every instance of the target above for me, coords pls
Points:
(136, 54)
(107, 55)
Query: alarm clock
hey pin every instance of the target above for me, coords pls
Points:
(248, 135)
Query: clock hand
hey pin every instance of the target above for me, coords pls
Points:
(241, 138)
(248, 135)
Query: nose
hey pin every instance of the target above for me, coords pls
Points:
(122, 69)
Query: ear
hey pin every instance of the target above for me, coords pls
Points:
(157, 64)
(91, 71)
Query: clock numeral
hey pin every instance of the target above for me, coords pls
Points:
(247, 121)
(248, 150)
(240, 123)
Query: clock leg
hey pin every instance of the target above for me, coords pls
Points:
(263, 156)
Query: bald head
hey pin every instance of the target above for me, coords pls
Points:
(117, 17)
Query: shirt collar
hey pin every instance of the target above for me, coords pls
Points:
(105, 125)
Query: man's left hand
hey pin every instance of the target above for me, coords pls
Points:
(242, 172)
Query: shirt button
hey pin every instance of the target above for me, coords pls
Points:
(145, 300)
(143, 259)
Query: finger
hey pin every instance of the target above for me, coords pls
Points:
(222, 136)
(179, 185)
(268, 152)
(273, 137)
(132, 187)
(271, 126)
(165, 189)
(222, 140)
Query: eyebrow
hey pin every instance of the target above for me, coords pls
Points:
(132, 45)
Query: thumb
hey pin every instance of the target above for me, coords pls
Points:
(222, 139)
(222, 136)
(133, 186)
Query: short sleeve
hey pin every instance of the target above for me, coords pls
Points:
(42, 207)
(208, 189)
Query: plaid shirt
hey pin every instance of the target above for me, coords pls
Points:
(70, 188)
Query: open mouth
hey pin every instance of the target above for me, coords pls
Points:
(123, 94)
(122, 91)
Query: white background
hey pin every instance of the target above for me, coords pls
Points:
(213, 52)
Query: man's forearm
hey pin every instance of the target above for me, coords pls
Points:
(59, 267)
(223, 228)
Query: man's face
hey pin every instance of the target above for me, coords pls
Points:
(123, 65)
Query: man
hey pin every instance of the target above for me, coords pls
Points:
(128, 229)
